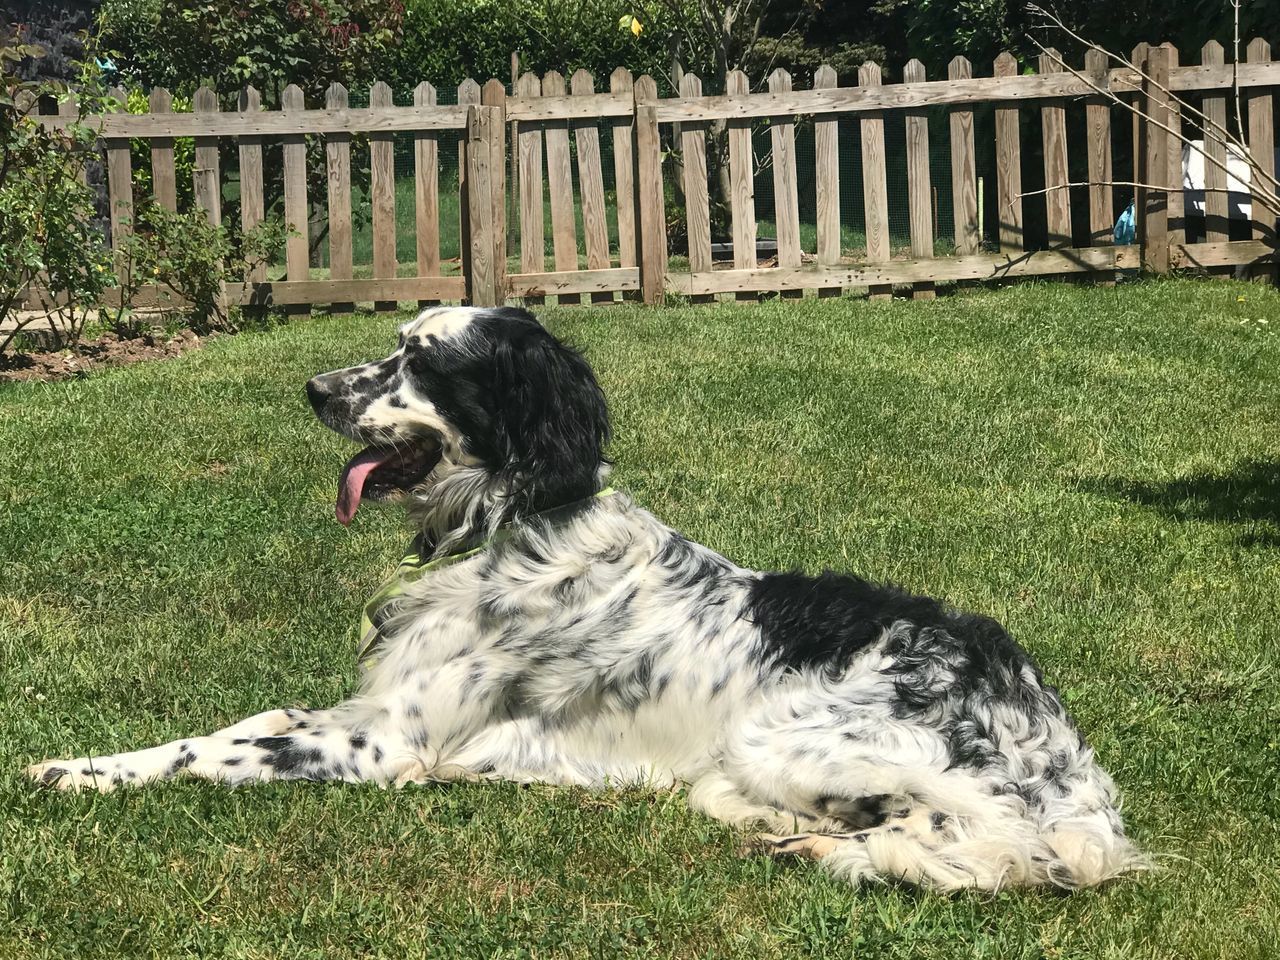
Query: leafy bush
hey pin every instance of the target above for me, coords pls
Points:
(48, 241)
(186, 255)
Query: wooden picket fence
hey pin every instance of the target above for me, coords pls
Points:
(545, 125)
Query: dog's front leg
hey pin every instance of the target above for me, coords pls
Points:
(341, 744)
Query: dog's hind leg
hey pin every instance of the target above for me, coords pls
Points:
(277, 745)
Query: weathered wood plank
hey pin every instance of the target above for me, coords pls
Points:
(483, 284)
(1008, 165)
(276, 123)
(494, 94)
(944, 269)
(69, 110)
(652, 208)
(1262, 147)
(875, 183)
(288, 292)
(564, 232)
(164, 178)
(382, 191)
(624, 180)
(207, 174)
(1216, 210)
(468, 95)
(964, 168)
(742, 191)
(826, 150)
(786, 197)
(337, 155)
(532, 230)
(615, 103)
(1222, 253)
(595, 225)
(252, 209)
(919, 187)
(838, 100)
(296, 213)
(1155, 232)
(697, 201)
(426, 170)
(1173, 155)
(1098, 124)
(1053, 125)
(574, 282)
(120, 189)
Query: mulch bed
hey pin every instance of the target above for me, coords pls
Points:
(108, 350)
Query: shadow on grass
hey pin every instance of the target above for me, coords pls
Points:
(1247, 495)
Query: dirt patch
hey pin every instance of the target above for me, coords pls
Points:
(107, 350)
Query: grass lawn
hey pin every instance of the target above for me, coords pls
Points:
(1099, 468)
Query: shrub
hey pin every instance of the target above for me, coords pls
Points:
(48, 241)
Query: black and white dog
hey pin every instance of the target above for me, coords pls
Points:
(562, 634)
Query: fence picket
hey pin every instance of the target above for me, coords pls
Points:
(875, 182)
(919, 191)
(532, 230)
(479, 159)
(742, 197)
(595, 225)
(624, 180)
(786, 200)
(697, 202)
(964, 168)
(252, 208)
(297, 246)
(468, 95)
(1053, 125)
(494, 94)
(650, 203)
(826, 151)
(564, 234)
(1262, 147)
(1008, 166)
(1173, 153)
(1098, 134)
(382, 190)
(164, 179)
(1216, 210)
(120, 188)
(426, 170)
(337, 155)
(1155, 226)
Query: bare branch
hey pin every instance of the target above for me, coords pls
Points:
(1267, 196)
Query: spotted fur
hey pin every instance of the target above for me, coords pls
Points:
(884, 734)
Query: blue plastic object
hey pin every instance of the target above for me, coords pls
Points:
(1126, 227)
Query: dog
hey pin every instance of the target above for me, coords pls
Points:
(548, 629)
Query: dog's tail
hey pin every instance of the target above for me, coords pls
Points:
(949, 839)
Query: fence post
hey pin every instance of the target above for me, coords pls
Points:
(494, 94)
(653, 224)
(1155, 221)
(468, 94)
(1262, 145)
(479, 212)
(207, 186)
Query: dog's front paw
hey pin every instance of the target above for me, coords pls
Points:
(82, 774)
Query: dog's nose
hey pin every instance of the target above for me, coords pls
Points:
(316, 394)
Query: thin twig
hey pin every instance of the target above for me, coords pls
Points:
(1268, 198)
(1112, 183)
(1235, 65)
(1186, 107)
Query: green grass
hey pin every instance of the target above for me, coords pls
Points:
(1100, 468)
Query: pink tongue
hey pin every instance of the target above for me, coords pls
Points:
(351, 485)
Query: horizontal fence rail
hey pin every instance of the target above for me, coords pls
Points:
(571, 188)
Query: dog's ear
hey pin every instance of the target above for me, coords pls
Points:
(553, 422)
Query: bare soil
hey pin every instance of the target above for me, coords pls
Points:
(108, 350)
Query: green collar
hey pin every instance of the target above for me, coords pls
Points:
(413, 567)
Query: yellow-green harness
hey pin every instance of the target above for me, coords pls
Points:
(412, 568)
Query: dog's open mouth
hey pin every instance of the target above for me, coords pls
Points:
(378, 472)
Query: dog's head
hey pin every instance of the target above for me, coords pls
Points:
(482, 403)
